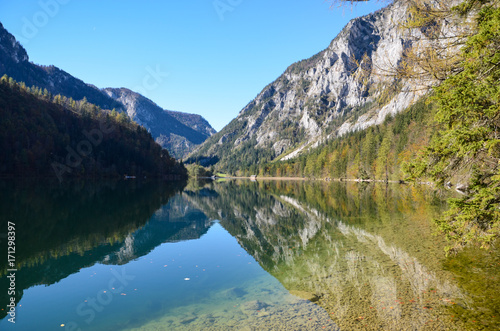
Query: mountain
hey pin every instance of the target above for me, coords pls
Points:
(339, 90)
(57, 137)
(178, 132)
(14, 62)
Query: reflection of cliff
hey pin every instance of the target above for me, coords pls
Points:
(248, 213)
(82, 224)
(362, 278)
(360, 256)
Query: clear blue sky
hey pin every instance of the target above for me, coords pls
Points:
(217, 59)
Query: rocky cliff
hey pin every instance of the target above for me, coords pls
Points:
(343, 88)
(178, 132)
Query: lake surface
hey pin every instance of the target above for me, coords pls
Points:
(238, 255)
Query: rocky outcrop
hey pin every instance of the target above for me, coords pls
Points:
(341, 89)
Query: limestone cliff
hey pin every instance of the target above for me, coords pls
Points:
(341, 89)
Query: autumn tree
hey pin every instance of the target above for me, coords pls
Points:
(383, 159)
(466, 149)
(453, 51)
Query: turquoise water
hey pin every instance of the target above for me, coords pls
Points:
(176, 270)
(173, 275)
(238, 256)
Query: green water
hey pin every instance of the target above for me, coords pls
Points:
(238, 256)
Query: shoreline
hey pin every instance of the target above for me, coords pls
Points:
(327, 179)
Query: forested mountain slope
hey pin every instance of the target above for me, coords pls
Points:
(341, 89)
(14, 62)
(178, 132)
(59, 137)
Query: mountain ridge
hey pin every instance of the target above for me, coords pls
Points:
(336, 91)
(15, 63)
(179, 132)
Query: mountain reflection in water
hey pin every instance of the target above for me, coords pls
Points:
(363, 253)
(367, 253)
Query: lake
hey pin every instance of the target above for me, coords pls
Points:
(237, 255)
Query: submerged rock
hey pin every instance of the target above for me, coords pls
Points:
(187, 320)
(235, 292)
(305, 295)
(254, 305)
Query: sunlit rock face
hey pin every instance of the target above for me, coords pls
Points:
(346, 87)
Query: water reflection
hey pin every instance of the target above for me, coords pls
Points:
(364, 254)
(173, 222)
(63, 228)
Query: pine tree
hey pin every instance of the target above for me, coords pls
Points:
(467, 147)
